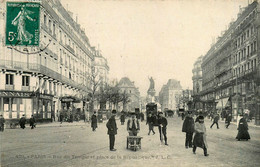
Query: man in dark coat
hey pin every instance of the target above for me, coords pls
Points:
(188, 128)
(162, 121)
(242, 129)
(133, 126)
(112, 130)
(150, 121)
(32, 122)
(228, 120)
(2, 122)
(122, 118)
(94, 121)
(22, 122)
(215, 121)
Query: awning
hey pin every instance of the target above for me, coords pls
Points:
(222, 103)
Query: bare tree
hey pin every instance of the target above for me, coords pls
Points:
(125, 98)
(95, 81)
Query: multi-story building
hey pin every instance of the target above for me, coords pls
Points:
(230, 69)
(43, 79)
(101, 66)
(197, 83)
(127, 86)
(169, 96)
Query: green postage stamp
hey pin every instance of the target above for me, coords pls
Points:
(22, 23)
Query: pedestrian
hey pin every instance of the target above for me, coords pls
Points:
(162, 121)
(112, 130)
(150, 122)
(242, 129)
(215, 121)
(2, 123)
(199, 139)
(133, 126)
(188, 128)
(122, 118)
(142, 116)
(32, 122)
(182, 116)
(22, 122)
(94, 121)
(228, 120)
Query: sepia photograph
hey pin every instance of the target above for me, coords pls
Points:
(129, 83)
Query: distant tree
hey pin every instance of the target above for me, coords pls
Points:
(125, 99)
(95, 81)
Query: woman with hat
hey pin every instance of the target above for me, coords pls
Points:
(242, 129)
(199, 139)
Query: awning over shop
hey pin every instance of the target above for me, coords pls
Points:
(222, 103)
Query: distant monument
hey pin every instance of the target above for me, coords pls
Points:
(151, 91)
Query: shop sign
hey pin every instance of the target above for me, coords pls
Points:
(45, 97)
(15, 94)
(67, 100)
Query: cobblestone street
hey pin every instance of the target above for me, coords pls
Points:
(74, 144)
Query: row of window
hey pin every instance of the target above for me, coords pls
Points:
(244, 36)
(62, 36)
(247, 66)
(246, 52)
(9, 80)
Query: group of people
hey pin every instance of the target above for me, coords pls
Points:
(198, 127)
(133, 127)
(22, 122)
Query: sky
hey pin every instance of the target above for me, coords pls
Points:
(153, 38)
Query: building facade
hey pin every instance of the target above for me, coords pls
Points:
(45, 79)
(230, 69)
(169, 96)
(197, 84)
(127, 86)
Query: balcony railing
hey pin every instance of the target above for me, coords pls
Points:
(26, 88)
(9, 87)
(34, 67)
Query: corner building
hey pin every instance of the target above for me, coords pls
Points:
(231, 68)
(50, 77)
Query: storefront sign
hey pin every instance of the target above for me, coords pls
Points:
(46, 97)
(15, 94)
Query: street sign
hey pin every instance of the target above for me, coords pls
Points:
(22, 23)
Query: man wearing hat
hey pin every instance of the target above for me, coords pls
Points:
(199, 139)
(188, 128)
(133, 125)
(112, 130)
(22, 122)
(94, 121)
(162, 121)
(2, 121)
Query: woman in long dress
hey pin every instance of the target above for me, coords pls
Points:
(20, 22)
(242, 130)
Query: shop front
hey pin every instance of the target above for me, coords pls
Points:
(14, 104)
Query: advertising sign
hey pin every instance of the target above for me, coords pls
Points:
(22, 23)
